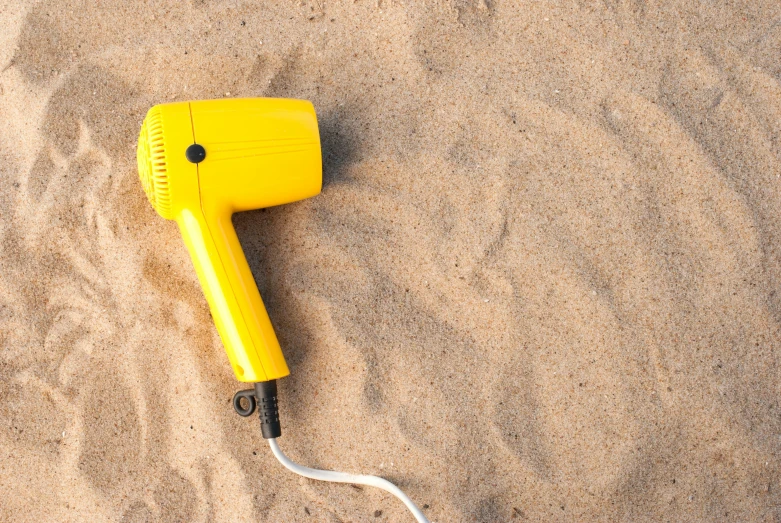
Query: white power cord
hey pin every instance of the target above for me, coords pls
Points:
(342, 477)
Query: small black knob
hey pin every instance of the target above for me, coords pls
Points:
(195, 153)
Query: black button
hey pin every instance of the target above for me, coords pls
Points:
(195, 153)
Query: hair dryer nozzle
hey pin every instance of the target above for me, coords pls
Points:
(151, 162)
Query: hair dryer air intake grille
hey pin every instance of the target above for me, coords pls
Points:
(151, 163)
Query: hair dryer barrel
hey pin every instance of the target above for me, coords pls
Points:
(200, 162)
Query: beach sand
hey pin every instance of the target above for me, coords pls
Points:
(542, 281)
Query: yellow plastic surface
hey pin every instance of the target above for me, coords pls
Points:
(260, 152)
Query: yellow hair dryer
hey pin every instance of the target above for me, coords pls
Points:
(200, 162)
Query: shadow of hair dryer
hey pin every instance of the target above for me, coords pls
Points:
(202, 161)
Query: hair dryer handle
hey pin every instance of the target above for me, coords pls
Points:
(234, 300)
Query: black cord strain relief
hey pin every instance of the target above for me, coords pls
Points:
(268, 408)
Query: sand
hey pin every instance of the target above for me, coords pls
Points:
(542, 281)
